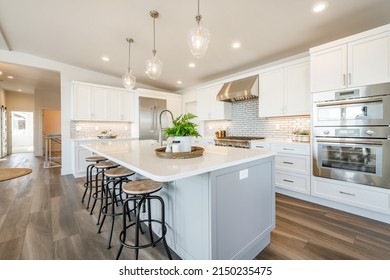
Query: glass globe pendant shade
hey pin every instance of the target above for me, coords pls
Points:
(198, 40)
(154, 67)
(128, 80)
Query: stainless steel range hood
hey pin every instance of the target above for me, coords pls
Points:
(243, 89)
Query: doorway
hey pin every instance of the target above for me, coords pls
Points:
(51, 136)
(22, 132)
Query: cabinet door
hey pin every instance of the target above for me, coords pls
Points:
(81, 96)
(174, 104)
(127, 106)
(114, 105)
(328, 69)
(369, 60)
(297, 93)
(99, 104)
(81, 155)
(271, 92)
(203, 105)
(209, 108)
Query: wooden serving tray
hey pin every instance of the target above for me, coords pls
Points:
(195, 152)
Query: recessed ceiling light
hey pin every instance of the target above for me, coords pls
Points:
(10, 77)
(179, 82)
(192, 65)
(105, 58)
(319, 7)
(1, 73)
(236, 45)
(19, 89)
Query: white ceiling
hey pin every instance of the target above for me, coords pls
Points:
(81, 32)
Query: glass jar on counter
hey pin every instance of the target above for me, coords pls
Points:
(176, 146)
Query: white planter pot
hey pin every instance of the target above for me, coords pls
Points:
(185, 143)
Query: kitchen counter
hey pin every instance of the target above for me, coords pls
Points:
(218, 206)
(141, 158)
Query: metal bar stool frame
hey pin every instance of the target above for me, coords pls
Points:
(88, 185)
(140, 200)
(100, 191)
(111, 193)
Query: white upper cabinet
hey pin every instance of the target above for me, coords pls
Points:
(120, 105)
(284, 90)
(369, 60)
(328, 69)
(174, 104)
(358, 60)
(101, 103)
(209, 108)
(81, 102)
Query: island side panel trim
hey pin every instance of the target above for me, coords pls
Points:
(242, 209)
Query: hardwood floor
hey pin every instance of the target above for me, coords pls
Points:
(41, 217)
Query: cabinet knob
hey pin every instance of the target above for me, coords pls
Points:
(370, 132)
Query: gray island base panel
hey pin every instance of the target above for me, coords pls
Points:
(224, 209)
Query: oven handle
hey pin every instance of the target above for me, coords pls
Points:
(351, 141)
(348, 102)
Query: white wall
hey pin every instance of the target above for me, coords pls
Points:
(68, 74)
(21, 102)
(2, 97)
(43, 100)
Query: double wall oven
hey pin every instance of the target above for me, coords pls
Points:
(351, 135)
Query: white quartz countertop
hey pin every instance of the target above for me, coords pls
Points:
(140, 156)
(96, 139)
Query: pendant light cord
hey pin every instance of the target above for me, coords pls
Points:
(128, 68)
(154, 36)
(198, 16)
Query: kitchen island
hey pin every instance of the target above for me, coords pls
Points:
(218, 206)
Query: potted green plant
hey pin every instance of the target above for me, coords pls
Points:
(301, 135)
(182, 130)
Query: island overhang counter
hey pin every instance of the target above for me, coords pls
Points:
(218, 206)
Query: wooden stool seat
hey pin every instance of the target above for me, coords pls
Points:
(95, 159)
(106, 164)
(141, 187)
(119, 172)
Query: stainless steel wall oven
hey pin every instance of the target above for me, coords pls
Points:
(351, 135)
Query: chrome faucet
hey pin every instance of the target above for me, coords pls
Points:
(160, 141)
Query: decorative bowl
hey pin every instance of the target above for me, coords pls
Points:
(107, 136)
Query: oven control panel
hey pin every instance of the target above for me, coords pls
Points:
(353, 132)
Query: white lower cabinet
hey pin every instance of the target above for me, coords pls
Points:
(79, 154)
(292, 167)
(366, 197)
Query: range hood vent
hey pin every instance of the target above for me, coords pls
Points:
(243, 89)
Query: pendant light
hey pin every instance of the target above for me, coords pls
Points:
(154, 65)
(128, 79)
(198, 38)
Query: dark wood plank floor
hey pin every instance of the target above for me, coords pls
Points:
(41, 217)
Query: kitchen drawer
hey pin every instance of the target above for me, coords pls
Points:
(259, 145)
(366, 197)
(297, 149)
(293, 163)
(292, 181)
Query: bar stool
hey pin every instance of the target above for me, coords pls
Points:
(101, 167)
(89, 181)
(113, 189)
(140, 192)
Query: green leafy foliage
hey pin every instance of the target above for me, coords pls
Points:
(182, 126)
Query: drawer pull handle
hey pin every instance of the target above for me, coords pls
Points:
(288, 162)
(350, 194)
(288, 181)
(288, 149)
(259, 146)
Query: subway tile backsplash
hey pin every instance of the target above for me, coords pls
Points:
(245, 122)
(85, 129)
